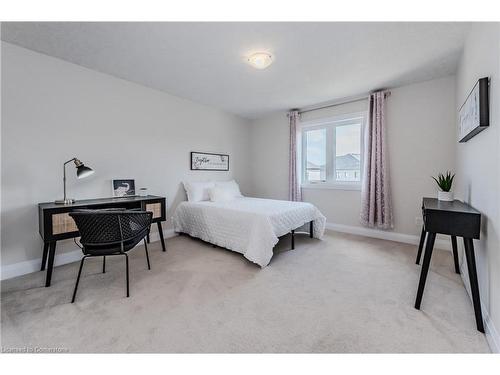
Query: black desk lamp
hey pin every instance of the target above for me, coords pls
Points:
(81, 172)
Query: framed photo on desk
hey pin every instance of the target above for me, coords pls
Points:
(123, 188)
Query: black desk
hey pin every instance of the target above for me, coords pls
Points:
(456, 219)
(55, 223)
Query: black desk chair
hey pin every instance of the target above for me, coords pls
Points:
(111, 232)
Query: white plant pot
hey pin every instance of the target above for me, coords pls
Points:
(446, 196)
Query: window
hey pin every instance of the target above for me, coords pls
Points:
(316, 155)
(332, 152)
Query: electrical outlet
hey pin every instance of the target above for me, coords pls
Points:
(419, 221)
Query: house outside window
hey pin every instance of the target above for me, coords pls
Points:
(332, 151)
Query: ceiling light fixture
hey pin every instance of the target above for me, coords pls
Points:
(260, 60)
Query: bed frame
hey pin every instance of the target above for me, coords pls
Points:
(311, 229)
(292, 232)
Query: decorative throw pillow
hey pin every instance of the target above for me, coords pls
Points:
(198, 191)
(221, 194)
(231, 186)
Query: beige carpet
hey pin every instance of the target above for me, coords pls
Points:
(342, 294)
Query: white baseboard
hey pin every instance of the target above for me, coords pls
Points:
(33, 265)
(492, 335)
(491, 332)
(386, 235)
(28, 266)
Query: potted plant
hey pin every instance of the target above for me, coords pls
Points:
(445, 182)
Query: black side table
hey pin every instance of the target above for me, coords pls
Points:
(456, 219)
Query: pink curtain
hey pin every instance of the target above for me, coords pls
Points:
(294, 192)
(376, 205)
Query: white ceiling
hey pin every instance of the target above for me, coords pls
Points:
(205, 62)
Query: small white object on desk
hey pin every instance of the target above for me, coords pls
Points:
(445, 196)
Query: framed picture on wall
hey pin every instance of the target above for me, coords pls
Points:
(123, 188)
(205, 161)
(473, 116)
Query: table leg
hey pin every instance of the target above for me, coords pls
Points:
(160, 231)
(431, 237)
(455, 253)
(44, 256)
(421, 245)
(474, 286)
(50, 265)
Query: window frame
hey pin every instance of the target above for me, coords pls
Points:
(330, 124)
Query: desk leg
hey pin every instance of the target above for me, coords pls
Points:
(421, 245)
(160, 231)
(44, 256)
(474, 286)
(431, 237)
(50, 265)
(455, 253)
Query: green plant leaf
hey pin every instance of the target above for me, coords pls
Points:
(444, 182)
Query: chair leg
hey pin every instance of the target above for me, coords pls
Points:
(126, 266)
(293, 239)
(104, 264)
(78, 279)
(311, 229)
(147, 255)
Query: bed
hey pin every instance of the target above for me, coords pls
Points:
(250, 226)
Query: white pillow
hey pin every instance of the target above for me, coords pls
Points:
(220, 194)
(231, 186)
(198, 191)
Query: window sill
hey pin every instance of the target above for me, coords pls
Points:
(355, 187)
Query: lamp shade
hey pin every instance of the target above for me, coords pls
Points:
(82, 171)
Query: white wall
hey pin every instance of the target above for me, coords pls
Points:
(421, 136)
(53, 110)
(478, 175)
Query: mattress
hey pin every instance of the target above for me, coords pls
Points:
(250, 226)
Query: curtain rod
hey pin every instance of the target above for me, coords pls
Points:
(351, 99)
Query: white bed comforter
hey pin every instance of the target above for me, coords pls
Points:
(250, 226)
